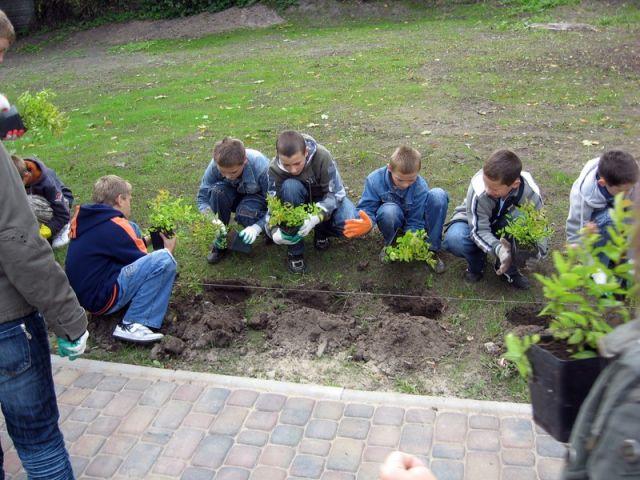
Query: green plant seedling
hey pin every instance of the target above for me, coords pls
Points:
(283, 214)
(411, 247)
(529, 228)
(40, 115)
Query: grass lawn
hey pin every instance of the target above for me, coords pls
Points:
(455, 82)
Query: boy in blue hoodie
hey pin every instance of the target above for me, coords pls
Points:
(109, 268)
(303, 171)
(396, 197)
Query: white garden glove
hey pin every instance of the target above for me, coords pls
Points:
(4, 103)
(72, 349)
(280, 238)
(309, 224)
(503, 252)
(249, 234)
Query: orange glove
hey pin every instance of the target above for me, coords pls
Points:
(358, 227)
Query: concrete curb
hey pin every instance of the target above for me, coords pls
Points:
(306, 390)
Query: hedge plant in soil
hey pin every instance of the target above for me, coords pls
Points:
(286, 216)
(411, 247)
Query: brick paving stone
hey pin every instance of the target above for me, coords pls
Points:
(518, 473)
(420, 415)
(72, 430)
(197, 474)
(73, 396)
(322, 429)
(353, 428)
(112, 383)
(187, 392)
(271, 473)
(65, 411)
(345, 455)
(451, 451)
(550, 468)
(78, 464)
(103, 466)
(140, 460)
(448, 470)
(172, 414)
(88, 446)
(157, 435)
(138, 384)
(65, 376)
(328, 410)
(369, 471)
(212, 451)
(376, 454)
(307, 466)
(482, 466)
(261, 420)
(416, 439)
(242, 398)
(287, 435)
(229, 421)
(97, 399)
(158, 394)
(104, 426)
(253, 437)
(88, 380)
(384, 436)
(451, 427)
(118, 445)
(331, 475)
(84, 414)
(122, 403)
(169, 467)
(388, 416)
(315, 447)
(212, 400)
(243, 456)
(137, 421)
(183, 443)
(59, 389)
(198, 420)
(297, 411)
(232, 473)
(359, 410)
(270, 402)
(485, 440)
(277, 456)
(518, 457)
(516, 433)
(547, 446)
(12, 463)
(484, 422)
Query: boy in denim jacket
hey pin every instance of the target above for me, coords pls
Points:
(396, 197)
(235, 181)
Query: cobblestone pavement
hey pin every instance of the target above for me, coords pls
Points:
(123, 421)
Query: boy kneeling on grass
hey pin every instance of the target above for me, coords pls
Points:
(303, 171)
(235, 181)
(397, 198)
(49, 198)
(109, 268)
(494, 195)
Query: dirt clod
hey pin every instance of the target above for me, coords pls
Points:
(172, 345)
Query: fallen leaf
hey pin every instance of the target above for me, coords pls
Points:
(590, 143)
(259, 81)
(159, 97)
(425, 132)
(324, 116)
(311, 125)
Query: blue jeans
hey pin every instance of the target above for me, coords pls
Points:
(296, 193)
(390, 218)
(224, 199)
(147, 284)
(603, 220)
(28, 399)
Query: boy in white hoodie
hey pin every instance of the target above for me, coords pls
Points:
(592, 194)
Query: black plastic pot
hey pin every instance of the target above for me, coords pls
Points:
(520, 255)
(558, 388)
(156, 239)
(289, 230)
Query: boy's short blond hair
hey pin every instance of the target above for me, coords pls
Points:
(229, 152)
(107, 188)
(6, 28)
(405, 160)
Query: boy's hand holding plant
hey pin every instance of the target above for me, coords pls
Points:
(503, 252)
(312, 220)
(250, 233)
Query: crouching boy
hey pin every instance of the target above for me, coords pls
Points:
(49, 198)
(396, 197)
(235, 181)
(495, 193)
(109, 268)
(303, 171)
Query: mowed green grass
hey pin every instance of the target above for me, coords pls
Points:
(456, 83)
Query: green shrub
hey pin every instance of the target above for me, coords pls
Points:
(286, 215)
(170, 214)
(40, 115)
(529, 228)
(411, 247)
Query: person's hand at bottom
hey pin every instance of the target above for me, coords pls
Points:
(401, 466)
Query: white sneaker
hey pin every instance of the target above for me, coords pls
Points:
(62, 238)
(136, 333)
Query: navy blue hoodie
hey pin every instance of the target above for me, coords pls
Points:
(102, 243)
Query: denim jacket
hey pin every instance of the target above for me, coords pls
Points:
(254, 179)
(379, 189)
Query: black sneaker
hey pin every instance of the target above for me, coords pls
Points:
(472, 277)
(216, 254)
(296, 264)
(321, 242)
(519, 281)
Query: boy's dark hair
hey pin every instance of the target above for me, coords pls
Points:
(405, 160)
(503, 166)
(6, 28)
(289, 143)
(618, 168)
(229, 152)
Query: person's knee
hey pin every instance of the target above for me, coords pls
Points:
(455, 239)
(438, 199)
(293, 191)
(389, 213)
(165, 261)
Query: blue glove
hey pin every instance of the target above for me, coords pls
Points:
(73, 349)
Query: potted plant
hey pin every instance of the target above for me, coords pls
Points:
(526, 231)
(586, 299)
(411, 247)
(166, 215)
(287, 217)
